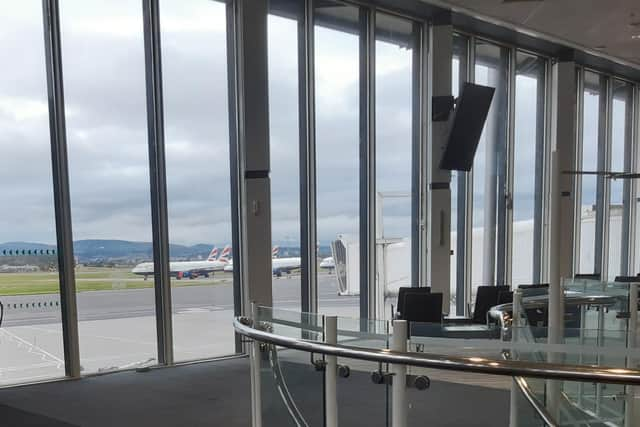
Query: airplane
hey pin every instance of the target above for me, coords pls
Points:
(190, 269)
(278, 265)
(328, 263)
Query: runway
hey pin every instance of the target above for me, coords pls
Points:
(117, 328)
(125, 303)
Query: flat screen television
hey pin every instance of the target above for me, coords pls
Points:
(469, 116)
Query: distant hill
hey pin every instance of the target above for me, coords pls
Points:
(96, 250)
(114, 250)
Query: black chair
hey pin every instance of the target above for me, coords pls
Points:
(505, 297)
(486, 297)
(402, 292)
(423, 307)
(423, 312)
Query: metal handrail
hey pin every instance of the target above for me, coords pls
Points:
(523, 385)
(511, 368)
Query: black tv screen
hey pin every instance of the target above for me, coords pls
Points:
(470, 114)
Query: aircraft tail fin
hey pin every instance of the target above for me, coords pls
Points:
(226, 254)
(274, 251)
(213, 255)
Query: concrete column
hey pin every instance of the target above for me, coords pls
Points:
(439, 199)
(251, 121)
(563, 140)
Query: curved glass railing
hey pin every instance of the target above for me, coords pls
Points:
(315, 370)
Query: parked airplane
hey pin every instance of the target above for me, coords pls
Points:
(190, 269)
(328, 263)
(278, 265)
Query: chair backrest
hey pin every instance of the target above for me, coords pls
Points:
(505, 297)
(423, 307)
(402, 293)
(486, 297)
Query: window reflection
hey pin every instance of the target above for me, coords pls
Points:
(337, 152)
(528, 153)
(198, 177)
(284, 151)
(590, 146)
(103, 61)
(491, 66)
(31, 334)
(394, 57)
(621, 119)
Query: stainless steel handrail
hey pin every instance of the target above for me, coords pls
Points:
(542, 301)
(535, 403)
(511, 368)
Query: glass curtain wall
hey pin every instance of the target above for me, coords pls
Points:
(489, 168)
(620, 154)
(337, 81)
(285, 162)
(103, 60)
(194, 62)
(528, 167)
(31, 330)
(394, 50)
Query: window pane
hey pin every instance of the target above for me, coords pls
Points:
(30, 337)
(103, 60)
(284, 151)
(528, 154)
(621, 119)
(490, 70)
(394, 50)
(194, 61)
(590, 119)
(337, 143)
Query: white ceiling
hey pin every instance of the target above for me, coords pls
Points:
(607, 26)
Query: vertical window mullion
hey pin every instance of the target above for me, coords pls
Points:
(61, 194)
(367, 164)
(308, 223)
(505, 204)
(578, 179)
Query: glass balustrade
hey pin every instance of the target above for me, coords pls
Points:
(516, 369)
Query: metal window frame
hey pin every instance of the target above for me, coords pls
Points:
(626, 244)
(60, 177)
(461, 206)
(236, 166)
(307, 150)
(158, 180)
(542, 212)
(505, 203)
(367, 170)
(419, 155)
(468, 207)
(578, 161)
(635, 164)
(603, 185)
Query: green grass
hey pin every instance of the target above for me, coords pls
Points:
(89, 279)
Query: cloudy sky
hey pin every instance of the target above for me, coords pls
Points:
(103, 61)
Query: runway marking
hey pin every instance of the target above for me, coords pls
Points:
(125, 340)
(33, 348)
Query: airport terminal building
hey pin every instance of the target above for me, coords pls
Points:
(320, 213)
